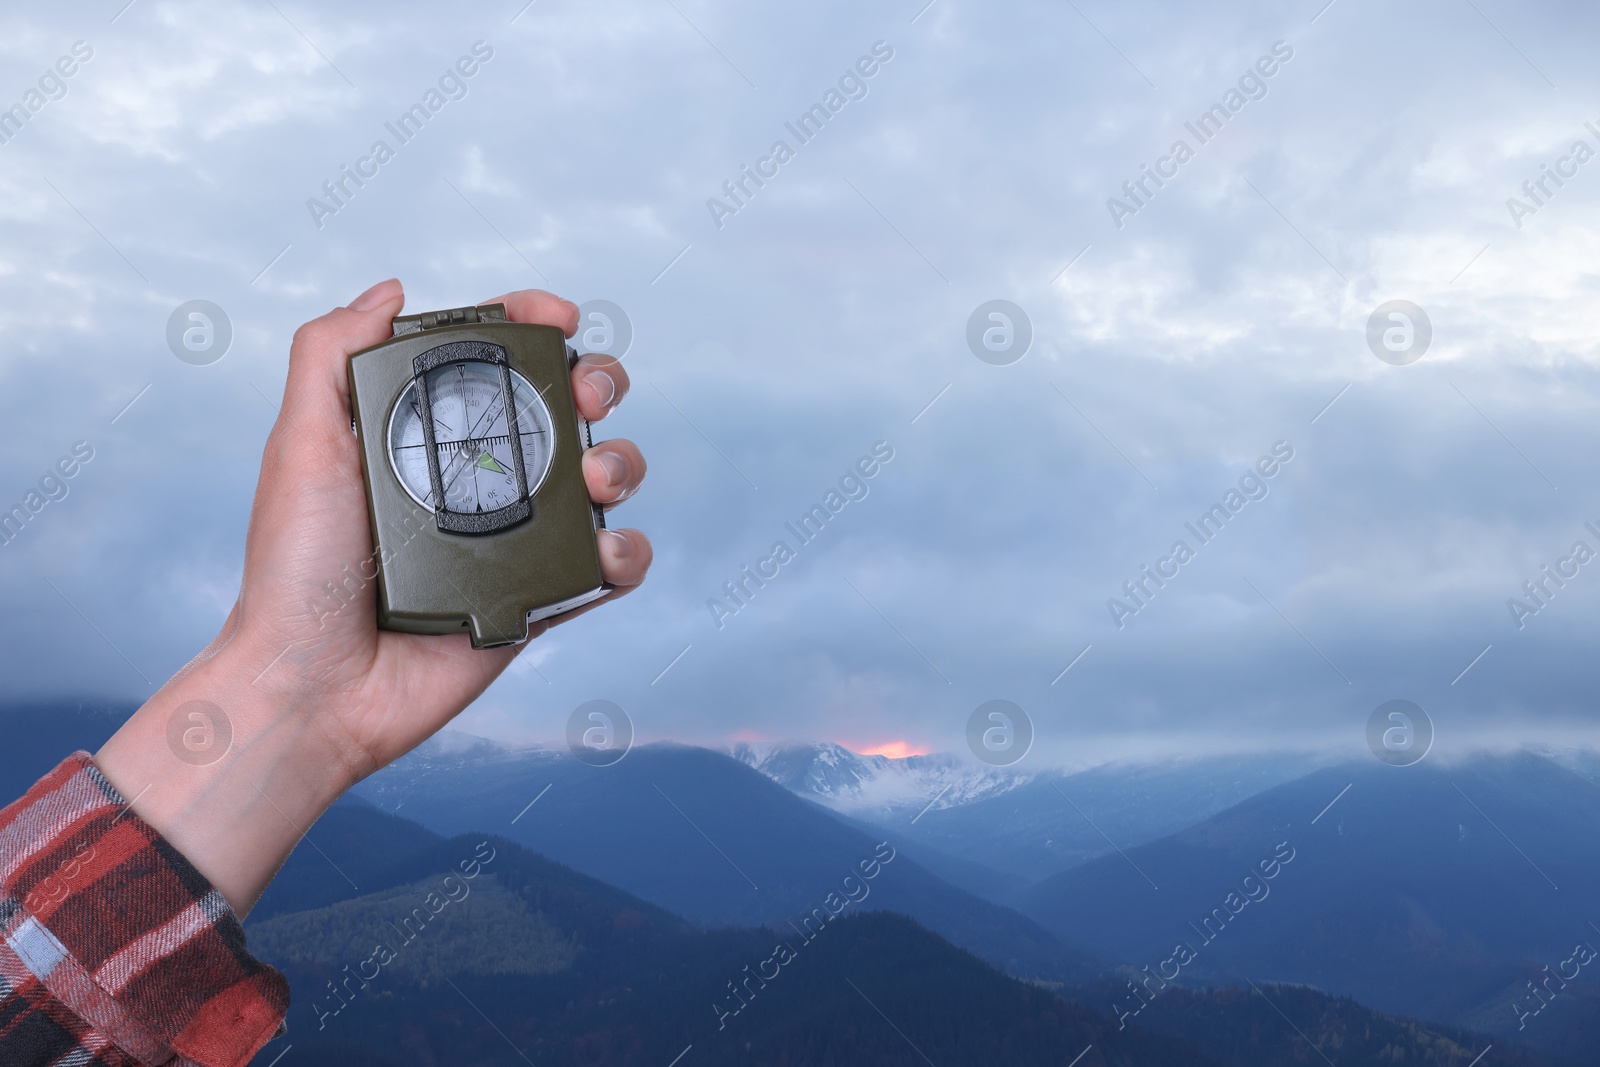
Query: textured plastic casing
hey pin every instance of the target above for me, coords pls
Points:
(490, 585)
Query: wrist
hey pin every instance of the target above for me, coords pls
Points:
(232, 773)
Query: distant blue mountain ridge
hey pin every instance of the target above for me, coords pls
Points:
(1456, 893)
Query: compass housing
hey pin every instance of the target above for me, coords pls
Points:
(461, 567)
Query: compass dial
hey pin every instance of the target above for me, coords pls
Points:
(472, 437)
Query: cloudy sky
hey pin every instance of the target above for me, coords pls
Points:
(1173, 345)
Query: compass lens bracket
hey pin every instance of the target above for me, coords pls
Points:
(475, 522)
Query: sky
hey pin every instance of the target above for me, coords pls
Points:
(1180, 335)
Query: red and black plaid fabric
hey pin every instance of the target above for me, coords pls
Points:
(114, 950)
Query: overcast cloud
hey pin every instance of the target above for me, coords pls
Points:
(775, 349)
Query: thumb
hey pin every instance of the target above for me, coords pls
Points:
(318, 384)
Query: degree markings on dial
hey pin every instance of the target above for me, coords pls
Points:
(467, 452)
(476, 450)
(417, 409)
(469, 440)
(459, 460)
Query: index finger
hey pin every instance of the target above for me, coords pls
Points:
(539, 307)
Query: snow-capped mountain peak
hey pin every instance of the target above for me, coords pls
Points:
(852, 783)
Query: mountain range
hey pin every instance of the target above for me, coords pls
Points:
(1412, 890)
(1435, 891)
(702, 836)
(1326, 913)
(527, 961)
(533, 961)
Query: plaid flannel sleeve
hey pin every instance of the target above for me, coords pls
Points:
(114, 950)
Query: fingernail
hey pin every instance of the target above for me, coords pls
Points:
(615, 466)
(604, 386)
(377, 295)
(622, 545)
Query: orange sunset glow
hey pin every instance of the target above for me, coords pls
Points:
(892, 749)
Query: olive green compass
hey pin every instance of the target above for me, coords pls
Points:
(471, 450)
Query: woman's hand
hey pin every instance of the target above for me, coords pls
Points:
(314, 695)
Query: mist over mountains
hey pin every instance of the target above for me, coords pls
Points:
(1021, 825)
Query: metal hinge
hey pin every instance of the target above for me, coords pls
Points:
(433, 320)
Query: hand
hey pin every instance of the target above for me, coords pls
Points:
(379, 694)
(316, 698)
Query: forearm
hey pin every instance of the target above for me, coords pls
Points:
(234, 782)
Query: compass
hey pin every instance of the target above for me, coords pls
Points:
(479, 441)
(471, 447)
